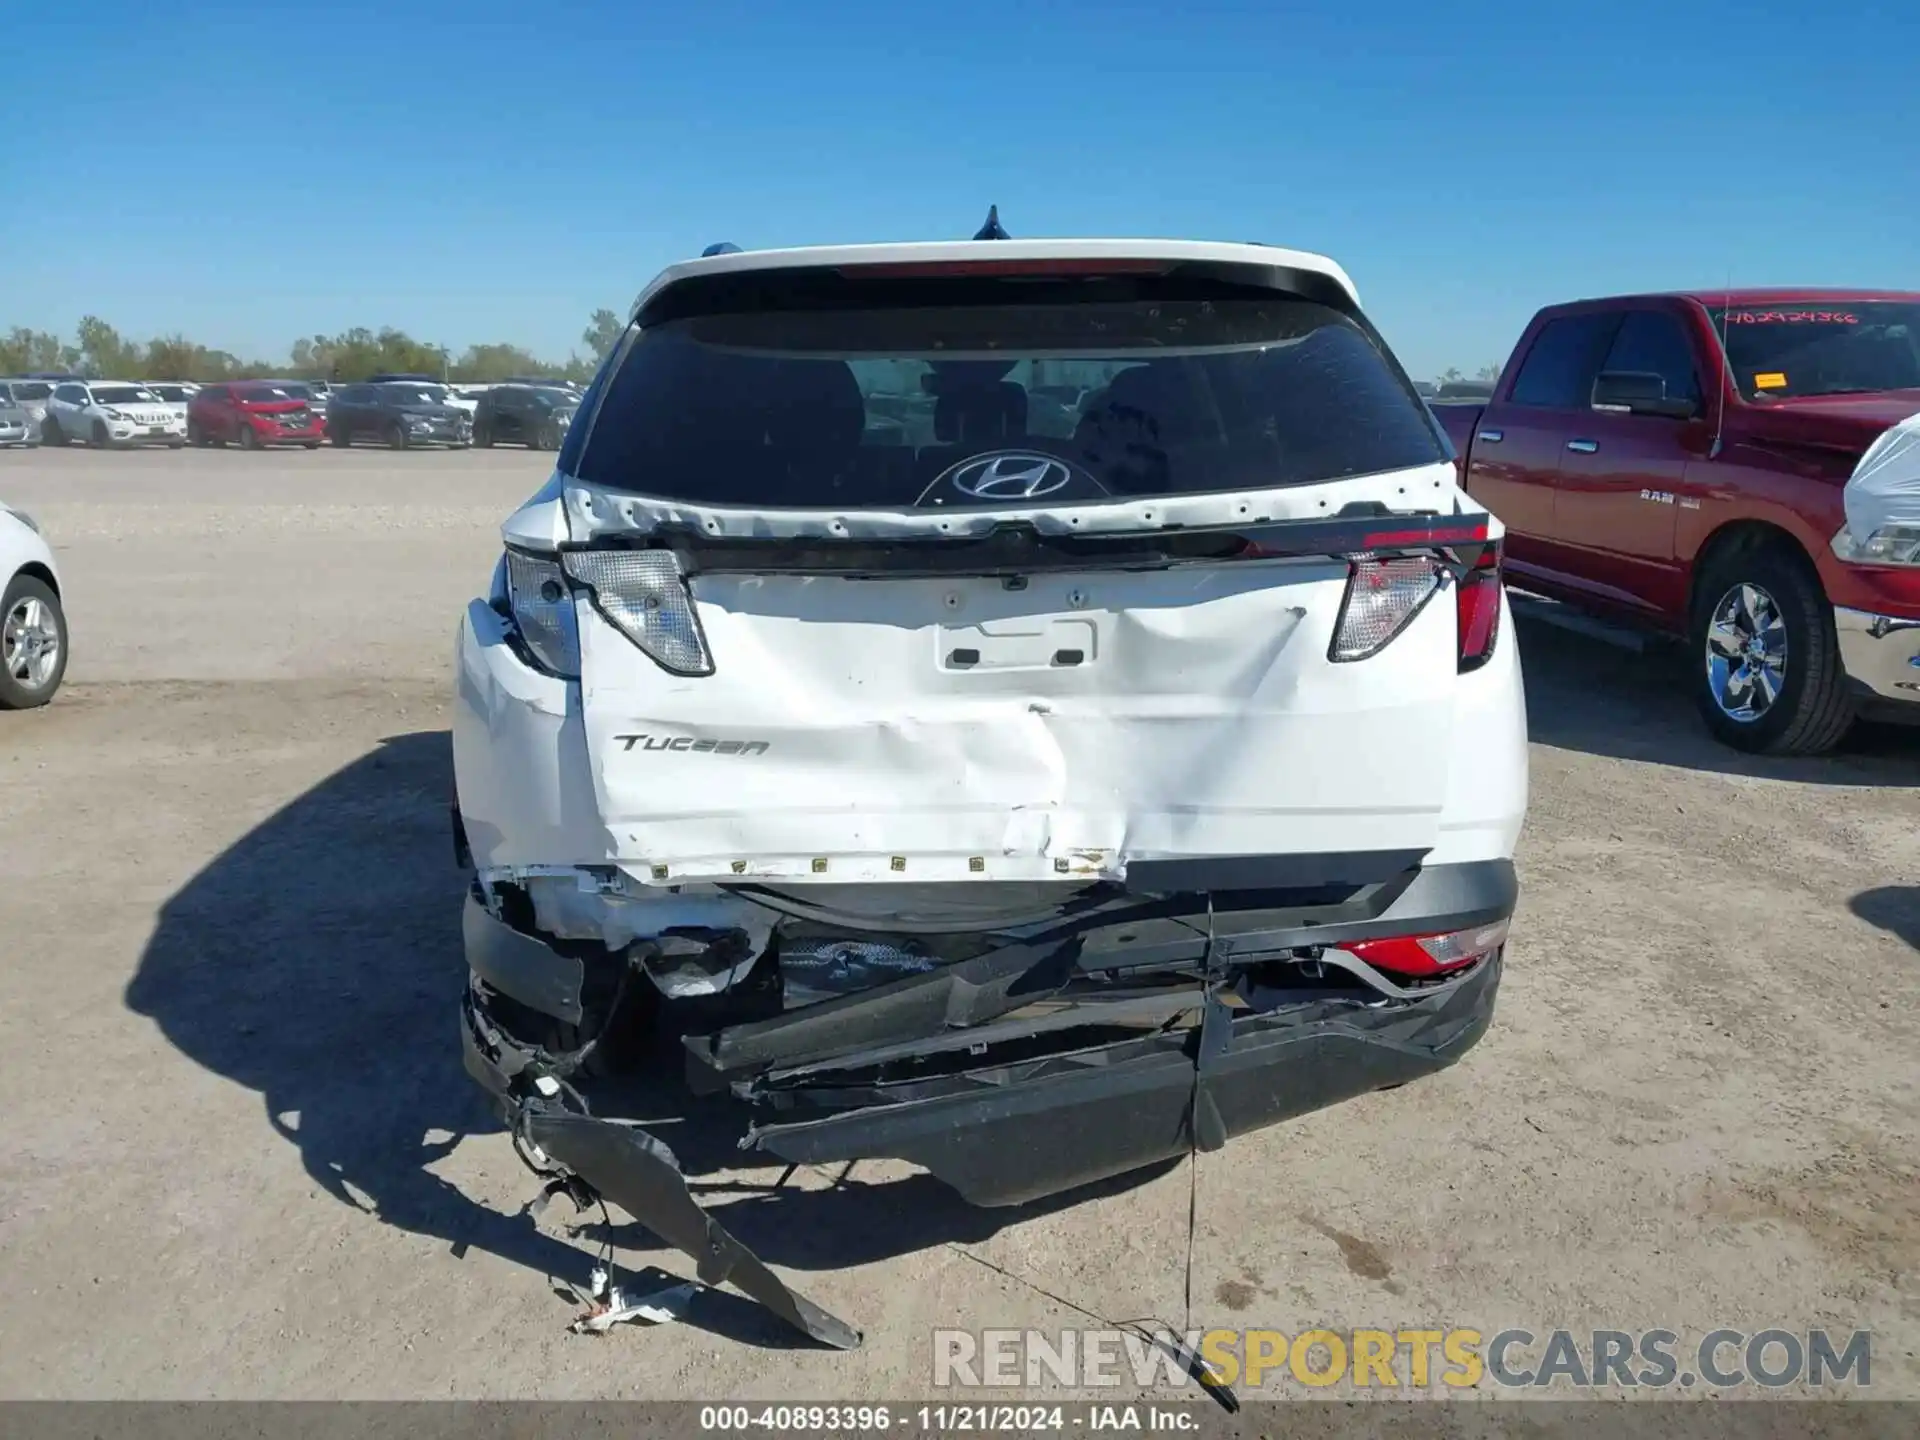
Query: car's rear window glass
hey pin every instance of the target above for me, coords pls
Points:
(871, 407)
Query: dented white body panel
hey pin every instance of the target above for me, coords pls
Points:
(837, 741)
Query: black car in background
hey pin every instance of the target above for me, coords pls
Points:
(536, 416)
(400, 414)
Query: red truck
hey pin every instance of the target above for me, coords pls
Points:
(1677, 462)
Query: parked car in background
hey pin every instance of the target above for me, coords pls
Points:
(536, 416)
(111, 413)
(400, 414)
(17, 430)
(33, 626)
(1678, 462)
(253, 413)
(1452, 391)
(551, 380)
(30, 395)
(175, 394)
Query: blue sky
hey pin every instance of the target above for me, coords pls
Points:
(478, 171)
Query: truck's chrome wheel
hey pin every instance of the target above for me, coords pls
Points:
(1746, 653)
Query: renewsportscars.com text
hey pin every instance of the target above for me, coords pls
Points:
(1455, 1358)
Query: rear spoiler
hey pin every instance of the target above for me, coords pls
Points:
(945, 282)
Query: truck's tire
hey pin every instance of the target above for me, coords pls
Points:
(1764, 655)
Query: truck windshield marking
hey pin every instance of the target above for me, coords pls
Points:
(1792, 317)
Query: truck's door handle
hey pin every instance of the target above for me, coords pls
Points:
(1491, 437)
(1584, 447)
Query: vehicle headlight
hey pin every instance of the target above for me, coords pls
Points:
(1889, 545)
(112, 414)
(540, 603)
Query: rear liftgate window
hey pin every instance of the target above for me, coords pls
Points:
(1003, 393)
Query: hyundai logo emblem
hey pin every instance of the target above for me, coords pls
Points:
(1010, 475)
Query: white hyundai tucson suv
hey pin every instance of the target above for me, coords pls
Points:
(1028, 708)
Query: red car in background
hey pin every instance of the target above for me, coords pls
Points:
(252, 413)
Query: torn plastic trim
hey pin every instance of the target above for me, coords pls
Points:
(969, 992)
(1017, 1133)
(633, 1169)
(595, 513)
(690, 941)
(1142, 1009)
(1126, 936)
(1019, 547)
(523, 967)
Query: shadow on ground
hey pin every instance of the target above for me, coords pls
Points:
(1586, 695)
(1892, 908)
(318, 962)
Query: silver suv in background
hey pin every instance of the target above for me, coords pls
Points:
(30, 397)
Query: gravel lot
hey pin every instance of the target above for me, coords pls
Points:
(240, 1157)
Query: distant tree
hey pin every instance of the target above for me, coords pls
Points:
(103, 353)
(174, 357)
(23, 349)
(350, 355)
(1451, 374)
(493, 363)
(1488, 373)
(601, 333)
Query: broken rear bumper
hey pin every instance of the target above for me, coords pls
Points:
(1116, 1037)
(1018, 1133)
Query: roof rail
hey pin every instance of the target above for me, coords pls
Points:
(992, 230)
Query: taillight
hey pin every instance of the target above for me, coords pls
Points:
(1384, 593)
(1430, 954)
(644, 595)
(1477, 599)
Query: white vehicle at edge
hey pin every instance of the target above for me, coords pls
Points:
(458, 397)
(174, 394)
(834, 669)
(105, 413)
(33, 626)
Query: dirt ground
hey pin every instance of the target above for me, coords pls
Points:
(238, 1156)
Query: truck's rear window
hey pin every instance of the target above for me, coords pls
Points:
(840, 408)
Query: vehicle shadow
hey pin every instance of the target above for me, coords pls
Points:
(318, 962)
(1892, 908)
(1586, 695)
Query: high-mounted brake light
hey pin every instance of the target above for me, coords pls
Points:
(1038, 269)
(644, 595)
(1430, 954)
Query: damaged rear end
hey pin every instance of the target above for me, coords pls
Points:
(1030, 718)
